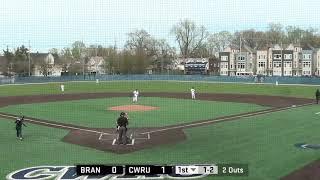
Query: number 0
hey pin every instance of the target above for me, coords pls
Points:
(114, 169)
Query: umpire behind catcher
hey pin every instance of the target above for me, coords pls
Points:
(122, 123)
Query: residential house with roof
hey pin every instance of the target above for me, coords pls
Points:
(262, 61)
(227, 61)
(307, 62)
(316, 61)
(214, 66)
(245, 61)
(96, 65)
(296, 62)
(44, 65)
(282, 60)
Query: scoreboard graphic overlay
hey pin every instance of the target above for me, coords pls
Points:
(173, 170)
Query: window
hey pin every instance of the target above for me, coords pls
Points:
(277, 64)
(224, 58)
(287, 64)
(288, 56)
(277, 56)
(241, 58)
(241, 65)
(261, 64)
(306, 64)
(231, 66)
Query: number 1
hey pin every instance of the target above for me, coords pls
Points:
(163, 170)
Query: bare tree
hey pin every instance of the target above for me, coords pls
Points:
(189, 36)
(164, 54)
(219, 41)
(275, 33)
(7, 62)
(45, 68)
(139, 41)
(252, 38)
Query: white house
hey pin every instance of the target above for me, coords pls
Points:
(44, 65)
(96, 65)
(262, 60)
(306, 61)
(316, 57)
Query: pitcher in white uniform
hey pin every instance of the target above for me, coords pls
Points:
(193, 93)
(135, 96)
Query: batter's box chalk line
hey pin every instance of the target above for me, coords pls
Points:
(134, 138)
(106, 136)
(130, 144)
(143, 136)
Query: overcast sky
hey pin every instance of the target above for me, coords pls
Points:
(58, 23)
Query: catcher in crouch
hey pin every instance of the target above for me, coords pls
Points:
(122, 123)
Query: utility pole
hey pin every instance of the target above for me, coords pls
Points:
(239, 55)
(82, 62)
(29, 59)
(116, 54)
(282, 63)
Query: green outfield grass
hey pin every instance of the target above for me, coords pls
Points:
(158, 86)
(94, 113)
(264, 142)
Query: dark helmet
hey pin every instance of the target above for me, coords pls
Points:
(122, 114)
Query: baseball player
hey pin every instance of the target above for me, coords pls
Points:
(122, 123)
(193, 93)
(317, 96)
(135, 96)
(62, 88)
(19, 123)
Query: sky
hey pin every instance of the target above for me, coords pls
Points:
(50, 24)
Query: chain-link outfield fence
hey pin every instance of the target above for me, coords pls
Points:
(222, 79)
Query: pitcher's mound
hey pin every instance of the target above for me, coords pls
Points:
(129, 108)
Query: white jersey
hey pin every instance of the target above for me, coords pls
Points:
(135, 93)
(193, 91)
(62, 87)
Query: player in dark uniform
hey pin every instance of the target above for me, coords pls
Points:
(122, 123)
(19, 123)
(317, 96)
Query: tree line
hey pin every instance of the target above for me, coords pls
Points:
(142, 50)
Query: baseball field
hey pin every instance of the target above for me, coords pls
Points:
(272, 129)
